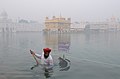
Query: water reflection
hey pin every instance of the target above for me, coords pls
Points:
(100, 51)
(60, 42)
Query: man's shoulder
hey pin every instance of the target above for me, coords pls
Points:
(50, 57)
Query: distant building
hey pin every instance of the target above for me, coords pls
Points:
(77, 26)
(97, 26)
(7, 25)
(111, 24)
(114, 24)
(57, 24)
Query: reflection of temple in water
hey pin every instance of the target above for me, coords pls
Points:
(60, 42)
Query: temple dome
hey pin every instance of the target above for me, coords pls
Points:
(4, 15)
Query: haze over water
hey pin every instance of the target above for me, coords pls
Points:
(92, 55)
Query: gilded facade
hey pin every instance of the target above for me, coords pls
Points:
(57, 24)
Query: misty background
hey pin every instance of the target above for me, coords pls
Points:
(78, 10)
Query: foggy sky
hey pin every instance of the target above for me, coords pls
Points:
(78, 10)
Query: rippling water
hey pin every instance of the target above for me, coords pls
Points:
(92, 55)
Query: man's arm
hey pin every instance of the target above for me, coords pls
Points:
(37, 55)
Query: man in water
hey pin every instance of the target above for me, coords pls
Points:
(46, 58)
